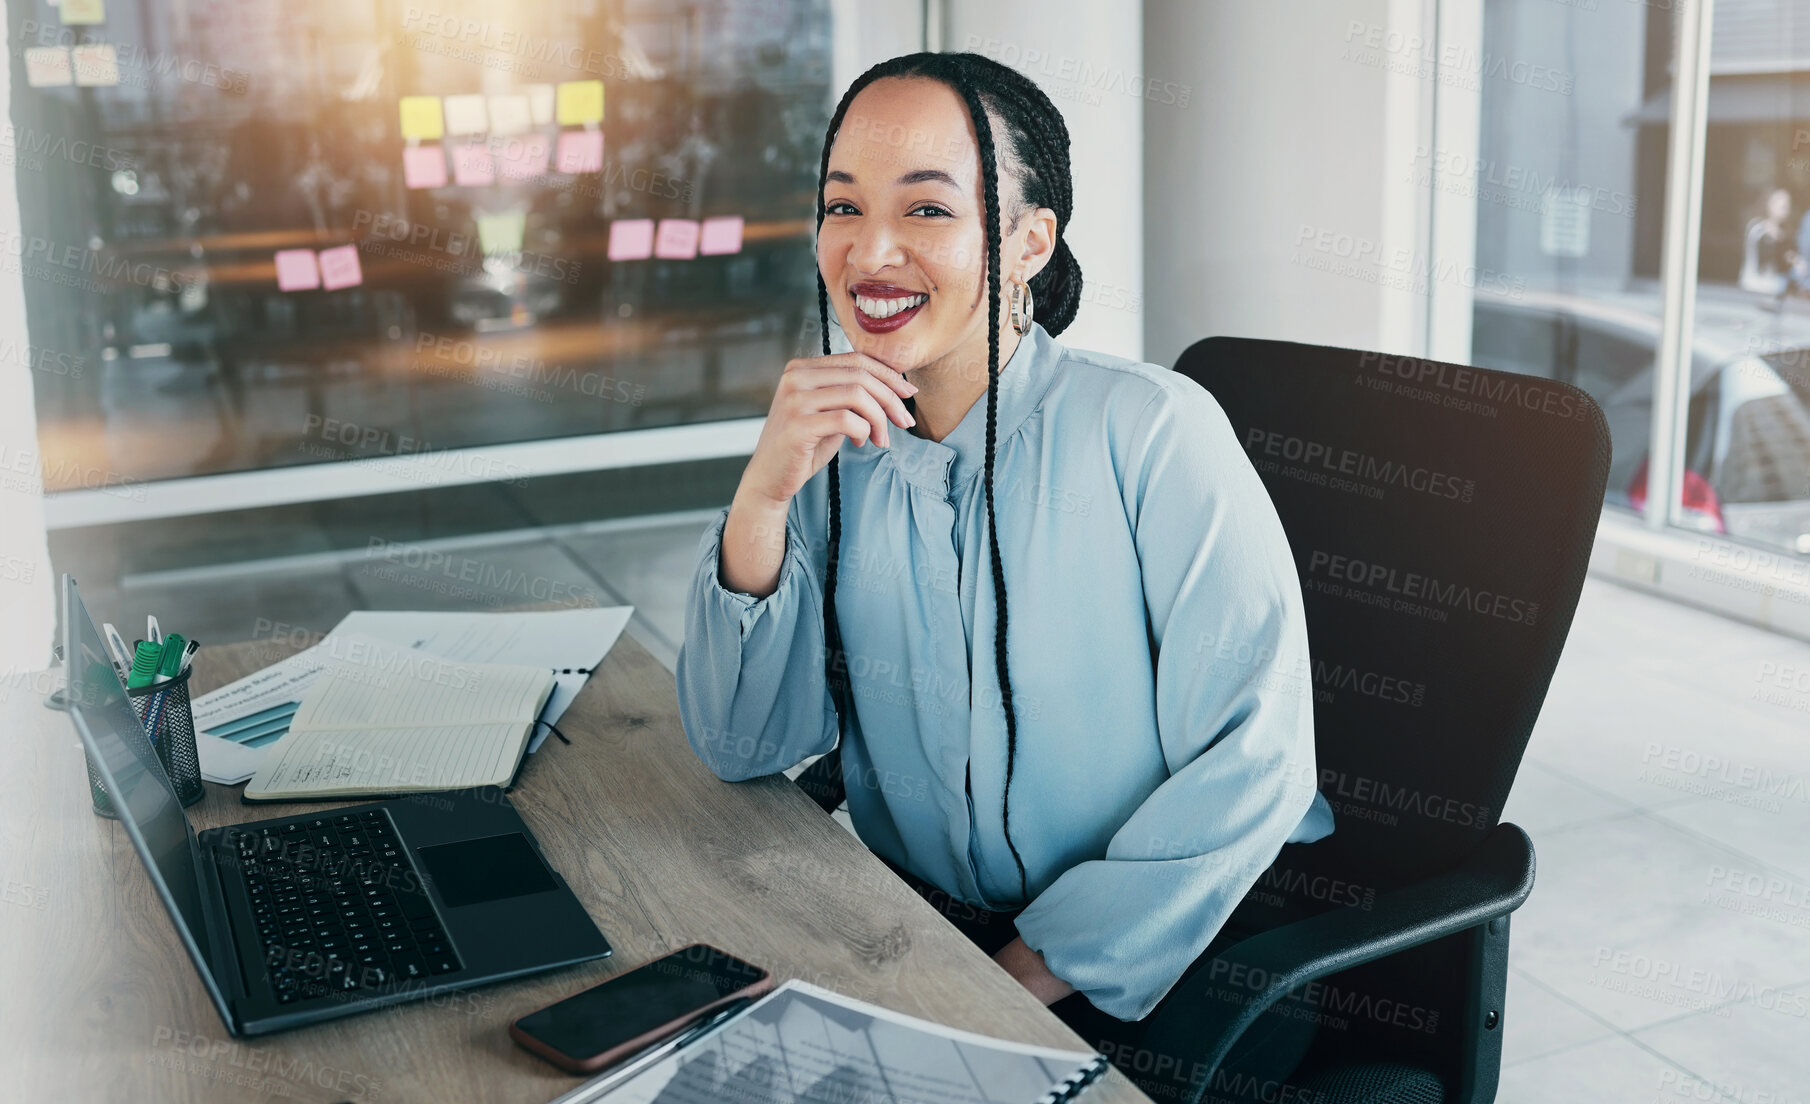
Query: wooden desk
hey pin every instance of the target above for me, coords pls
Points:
(101, 1004)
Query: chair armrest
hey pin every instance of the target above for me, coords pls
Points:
(1225, 996)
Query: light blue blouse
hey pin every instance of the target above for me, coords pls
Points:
(1157, 649)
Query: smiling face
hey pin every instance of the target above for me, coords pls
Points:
(902, 250)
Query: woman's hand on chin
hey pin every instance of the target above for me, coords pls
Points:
(1027, 968)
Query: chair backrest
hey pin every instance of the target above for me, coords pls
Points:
(1441, 519)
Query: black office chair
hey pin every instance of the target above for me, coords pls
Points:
(1392, 933)
(1436, 612)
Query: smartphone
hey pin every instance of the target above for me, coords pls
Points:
(609, 1022)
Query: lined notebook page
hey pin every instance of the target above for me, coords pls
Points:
(391, 760)
(397, 721)
(423, 693)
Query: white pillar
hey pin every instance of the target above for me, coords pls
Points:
(1279, 203)
(1086, 55)
(27, 587)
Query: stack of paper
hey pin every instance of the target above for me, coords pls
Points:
(237, 724)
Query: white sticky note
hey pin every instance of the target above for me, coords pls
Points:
(96, 64)
(466, 115)
(510, 114)
(48, 67)
(540, 103)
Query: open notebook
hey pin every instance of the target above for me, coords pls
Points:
(398, 721)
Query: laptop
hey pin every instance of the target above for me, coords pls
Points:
(299, 919)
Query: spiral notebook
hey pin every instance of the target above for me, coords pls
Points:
(801, 1044)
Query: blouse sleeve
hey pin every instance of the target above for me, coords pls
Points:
(752, 693)
(1234, 712)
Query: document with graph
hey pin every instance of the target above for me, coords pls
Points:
(804, 1045)
(386, 720)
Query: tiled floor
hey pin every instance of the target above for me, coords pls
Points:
(1665, 953)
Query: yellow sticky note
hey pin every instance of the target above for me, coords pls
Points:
(421, 117)
(84, 11)
(580, 102)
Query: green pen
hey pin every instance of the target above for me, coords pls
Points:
(146, 662)
(171, 664)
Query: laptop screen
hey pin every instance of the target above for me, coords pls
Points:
(140, 790)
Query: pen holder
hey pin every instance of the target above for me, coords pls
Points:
(164, 711)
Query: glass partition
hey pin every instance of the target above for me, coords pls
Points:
(1564, 202)
(1750, 406)
(1571, 193)
(265, 234)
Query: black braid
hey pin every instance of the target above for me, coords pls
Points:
(1037, 143)
(841, 695)
(989, 188)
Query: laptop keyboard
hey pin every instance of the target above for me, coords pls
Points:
(340, 907)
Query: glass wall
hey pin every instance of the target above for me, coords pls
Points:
(1571, 185)
(1750, 407)
(263, 234)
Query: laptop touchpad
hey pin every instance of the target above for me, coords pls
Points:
(471, 872)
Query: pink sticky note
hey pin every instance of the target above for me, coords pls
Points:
(722, 234)
(677, 239)
(472, 165)
(296, 270)
(340, 268)
(524, 157)
(424, 166)
(631, 239)
(580, 151)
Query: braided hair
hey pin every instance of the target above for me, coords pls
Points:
(1036, 157)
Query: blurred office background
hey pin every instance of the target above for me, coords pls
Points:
(514, 403)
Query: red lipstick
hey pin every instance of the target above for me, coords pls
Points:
(888, 301)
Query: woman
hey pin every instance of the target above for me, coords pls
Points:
(1767, 257)
(1039, 596)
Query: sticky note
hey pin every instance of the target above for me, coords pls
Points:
(580, 151)
(580, 102)
(297, 270)
(96, 64)
(466, 115)
(424, 167)
(540, 103)
(47, 67)
(722, 234)
(473, 165)
(524, 157)
(340, 268)
(502, 233)
(421, 118)
(677, 239)
(84, 12)
(631, 239)
(510, 114)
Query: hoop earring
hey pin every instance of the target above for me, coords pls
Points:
(1020, 307)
